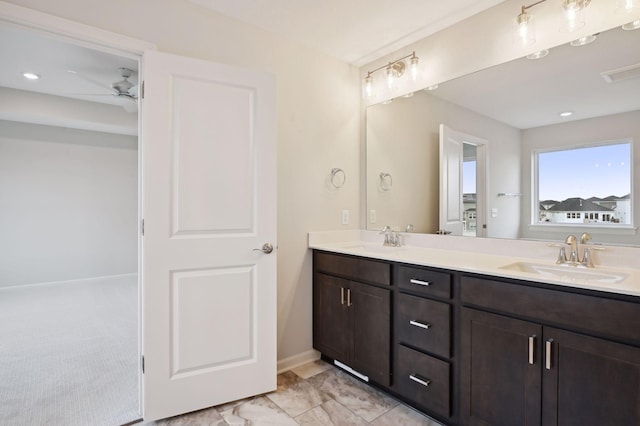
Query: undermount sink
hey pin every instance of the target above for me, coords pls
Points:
(373, 247)
(568, 272)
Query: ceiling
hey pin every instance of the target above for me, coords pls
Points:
(354, 31)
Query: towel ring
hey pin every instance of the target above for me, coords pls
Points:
(338, 177)
(386, 181)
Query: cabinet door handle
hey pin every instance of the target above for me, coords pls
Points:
(532, 349)
(419, 282)
(349, 297)
(342, 295)
(548, 348)
(417, 379)
(420, 324)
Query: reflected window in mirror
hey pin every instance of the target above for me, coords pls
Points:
(587, 186)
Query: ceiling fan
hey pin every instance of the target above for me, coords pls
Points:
(123, 89)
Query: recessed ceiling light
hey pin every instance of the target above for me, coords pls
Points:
(566, 113)
(539, 54)
(582, 41)
(633, 25)
(30, 75)
(432, 87)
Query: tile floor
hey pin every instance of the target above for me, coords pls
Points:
(313, 394)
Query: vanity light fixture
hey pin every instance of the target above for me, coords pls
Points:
(574, 18)
(393, 71)
(30, 76)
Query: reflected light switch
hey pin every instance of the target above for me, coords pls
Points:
(372, 216)
(494, 212)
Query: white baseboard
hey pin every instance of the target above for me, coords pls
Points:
(292, 362)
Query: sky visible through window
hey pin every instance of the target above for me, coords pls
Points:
(598, 171)
(469, 177)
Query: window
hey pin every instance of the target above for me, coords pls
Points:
(587, 185)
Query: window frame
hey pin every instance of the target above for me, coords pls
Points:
(599, 227)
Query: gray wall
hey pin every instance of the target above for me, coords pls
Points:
(68, 204)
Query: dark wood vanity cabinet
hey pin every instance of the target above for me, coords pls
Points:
(469, 349)
(529, 371)
(352, 318)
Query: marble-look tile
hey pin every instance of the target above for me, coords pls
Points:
(286, 380)
(257, 412)
(310, 369)
(358, 397)
(404, 416)
(330, 413)
(206, 417)
(296, 397)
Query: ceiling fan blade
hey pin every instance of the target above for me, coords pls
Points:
(91, 80)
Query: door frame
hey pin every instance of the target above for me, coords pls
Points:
(109, 42)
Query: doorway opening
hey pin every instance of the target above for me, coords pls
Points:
(69, 284)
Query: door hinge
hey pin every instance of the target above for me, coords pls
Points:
(142, 364)
(142, 227)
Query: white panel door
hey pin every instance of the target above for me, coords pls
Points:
(451, 156)
(209, 200)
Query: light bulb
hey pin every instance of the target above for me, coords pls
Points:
(414, 67)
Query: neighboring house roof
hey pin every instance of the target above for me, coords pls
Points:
(472, 209)
(578, 205)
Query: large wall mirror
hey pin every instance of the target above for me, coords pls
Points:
(515, 107)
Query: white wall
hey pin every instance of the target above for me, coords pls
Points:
(403, 140)
(68, 204)
(582, 132)
(317, 101)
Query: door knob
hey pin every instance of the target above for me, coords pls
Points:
(266, 248)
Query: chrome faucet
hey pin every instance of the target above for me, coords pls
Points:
(574, 256)
(391, 237)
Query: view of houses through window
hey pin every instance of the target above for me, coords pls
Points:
(589, 185)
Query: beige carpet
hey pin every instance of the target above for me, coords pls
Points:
(69, 353)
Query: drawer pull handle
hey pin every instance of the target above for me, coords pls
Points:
(349, 297)
(419, 282)
(532, 345)
(423, 382)
(548, 348)
(420, 324)
(342, 295)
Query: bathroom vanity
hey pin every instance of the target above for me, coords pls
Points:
(493, 346)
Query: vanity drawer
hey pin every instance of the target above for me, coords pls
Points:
(424, 380)
(423, 281)
(354, 268)
(600, 315)
(424, 324)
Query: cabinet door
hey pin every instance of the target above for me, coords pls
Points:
(331, 334)
(499, 385)
(370, 310)
(589, 381)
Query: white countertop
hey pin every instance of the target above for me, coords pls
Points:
(491, 256)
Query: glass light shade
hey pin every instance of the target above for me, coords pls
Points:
(390, 74)
(524, 30)
(582, 41)
(627, 6)
(574, 15)
(368, 86)
(414, 68)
